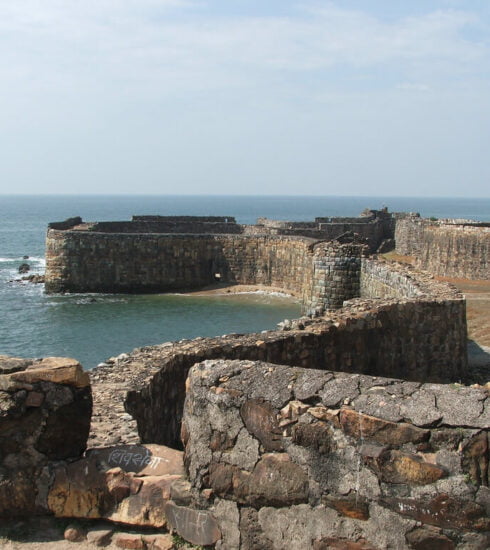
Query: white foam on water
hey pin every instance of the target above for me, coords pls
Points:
(37, 259)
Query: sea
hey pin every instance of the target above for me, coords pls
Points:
(94, 327)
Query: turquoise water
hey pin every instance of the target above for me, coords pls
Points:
(92, 328)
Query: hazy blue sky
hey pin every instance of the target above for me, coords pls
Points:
(348, 97)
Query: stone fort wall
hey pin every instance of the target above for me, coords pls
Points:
(333, 432)
(302, 459)
(419, 338)
(373, 228)
(276, 457)
(322, 275)
(446, 248)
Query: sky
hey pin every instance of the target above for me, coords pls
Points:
(341, 97)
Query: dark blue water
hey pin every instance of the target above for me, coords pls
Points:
(92, 328)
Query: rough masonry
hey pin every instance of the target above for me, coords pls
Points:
(287, 458)
(348, 428)
(451, 248)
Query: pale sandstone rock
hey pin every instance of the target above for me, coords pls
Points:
(159, 542)
(74, 533)
(196, 526)
(129, 541)
(100, 536)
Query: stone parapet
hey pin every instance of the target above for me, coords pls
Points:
(383, 279)
(45, 409)
(296, 458)
(422, 338)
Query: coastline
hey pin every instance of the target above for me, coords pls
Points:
(225, 289)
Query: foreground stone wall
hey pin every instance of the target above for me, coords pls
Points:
(418, 339)
(447, 249)
(287, 458)
(45, 409)
(45, 413)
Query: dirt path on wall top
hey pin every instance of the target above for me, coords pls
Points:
(477, 294)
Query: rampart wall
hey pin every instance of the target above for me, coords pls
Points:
(447, 249)
(421, 338)
(276, 457)
(323, 275)
(298, 459)
(142, 262)
(165, 226)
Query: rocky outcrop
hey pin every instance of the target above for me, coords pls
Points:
(45, 409)
(45, 412)
(127, 484)
(313, 459)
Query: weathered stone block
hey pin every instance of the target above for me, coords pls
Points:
(91, 488)
(429, 539)
(99, 536)
(476, 458)
(314, 436)
(143, 460)
(397, 467)
(442, 511)
(196, 526)
(277, 481)
(45, 410)
(331, 543)
(129, 541)
(260, 420)
(351, 506)
(367, 427)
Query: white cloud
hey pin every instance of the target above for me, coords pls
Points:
(413, 87)
(143, 43)
(167, 89)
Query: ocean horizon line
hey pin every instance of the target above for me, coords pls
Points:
(232, 195)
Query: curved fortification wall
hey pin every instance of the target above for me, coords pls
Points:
(420, 335)
(323, 275)
(339, 430)
(452, 249)
(79, 261)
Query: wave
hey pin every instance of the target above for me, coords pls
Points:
(37, 259)
(32, 259)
